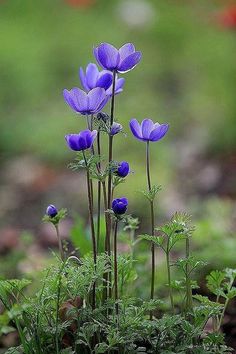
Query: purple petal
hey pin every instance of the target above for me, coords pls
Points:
(126, 50)
(118, 87)
(83, 79)
(72, 141)
(104, 79)
(102, 104)
(159, 132)
(147, 127)
(108, 56)
(92, 75)
(119, 84)
(79, 99)
(95, 98)
(69, 100)
(129, 62)
(93, 135)
(136, 128)
(124, 200)
(82, 144)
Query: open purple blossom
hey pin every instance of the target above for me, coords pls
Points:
(82, 141)
(86, 103)
(122, 169)
(120, 60)
(92, 78)
(120, 205)
(51, 211)
(147, 130)
(115, 128)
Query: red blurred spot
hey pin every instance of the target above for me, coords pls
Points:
(80, 3)
(227, 18)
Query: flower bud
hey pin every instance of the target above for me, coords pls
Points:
(120, 205)
(122, 169)
(51, 211)
(115, 128)
(103, 116)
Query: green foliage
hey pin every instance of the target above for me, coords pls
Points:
(59, 317)
(55, 219)
(151, 194)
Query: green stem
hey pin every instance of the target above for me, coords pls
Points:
(99, 192)
(169, 280)
(152, 225)
(116, 268)
(60, 243)
(189, 300)
(110, 156)
(90, 205)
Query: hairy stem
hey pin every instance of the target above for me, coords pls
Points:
(152, 225)
(90, 205)
(110, 156)
(60, 243)
(99, 192)
(189, 300)
(116, 268)
(169, 280)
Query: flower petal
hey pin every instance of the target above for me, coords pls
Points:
(108, 56)
(83, 79)
(147, 127)
(77, 98)
(92, 75)
(95, 98)
(104, 79)
(126, 50)
(136, 129)
(72, 141)
(159, 132)
(129, 62)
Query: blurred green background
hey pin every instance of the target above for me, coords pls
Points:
(187, 78)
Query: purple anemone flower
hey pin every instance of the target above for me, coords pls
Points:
(147, 130)
(51, 211)
(86, 103)
(115, 128)
(120, 60)
(122, 169)
(92, 78)
(82, 141)
(120, 205)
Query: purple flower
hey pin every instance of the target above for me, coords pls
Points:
(122, 169)
(86, 103)
(92, 78)
(120, 205)
(115, 128)
(51, 211)
(82, 141)
(121, 60)
(147, 130)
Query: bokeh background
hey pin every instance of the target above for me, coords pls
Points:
(187, 77)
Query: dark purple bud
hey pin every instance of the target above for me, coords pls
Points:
(115, 128)
(120, 205)
(122, 169)
(103, 116)
(51, 211)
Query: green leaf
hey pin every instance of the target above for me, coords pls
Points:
(151, 195)
(214, 281)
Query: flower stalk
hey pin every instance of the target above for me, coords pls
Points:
(152, 225)
(189, 300)
(116, 268)
(90, 207)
